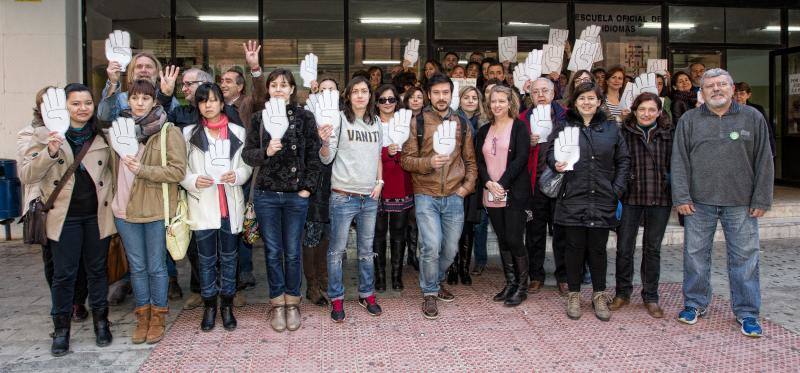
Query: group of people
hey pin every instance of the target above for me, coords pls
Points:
(461, 165)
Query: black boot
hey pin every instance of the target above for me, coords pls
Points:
(411, 244)
(102, 332)
(61, 326)
(465, 258)
(521, 273)
(397, 250)
(226, 310)
(452, 272)
(511, 280)
(209, 313)
(379, 247)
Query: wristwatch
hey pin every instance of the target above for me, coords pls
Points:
(379, 181)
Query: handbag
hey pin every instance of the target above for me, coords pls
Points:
(117, 262)
(178, 233)
(34, 223)
(250, 228)
(551, 182)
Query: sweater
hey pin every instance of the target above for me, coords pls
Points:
(356, 155)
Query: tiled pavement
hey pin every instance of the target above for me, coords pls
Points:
(473, 334)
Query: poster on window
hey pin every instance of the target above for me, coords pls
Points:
(635, 51)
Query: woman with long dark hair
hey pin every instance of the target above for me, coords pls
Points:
(683, 97)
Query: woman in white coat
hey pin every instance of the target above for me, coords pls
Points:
(214, 178)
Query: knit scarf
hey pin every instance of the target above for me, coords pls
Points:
(222, 125)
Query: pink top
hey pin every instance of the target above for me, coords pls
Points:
(119, 205)
(495, 153)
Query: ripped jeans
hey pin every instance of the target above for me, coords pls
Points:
(343, 210)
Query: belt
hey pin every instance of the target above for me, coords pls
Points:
(349, 194)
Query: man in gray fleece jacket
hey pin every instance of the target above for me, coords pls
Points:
(722, 169)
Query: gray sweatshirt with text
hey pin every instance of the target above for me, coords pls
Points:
(356, 154)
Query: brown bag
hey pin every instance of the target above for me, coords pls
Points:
(34, 227)
(117, 261)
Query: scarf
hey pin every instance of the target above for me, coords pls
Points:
(149, 124)
(222, 125)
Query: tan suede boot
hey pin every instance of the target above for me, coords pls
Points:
(600, 304)
(158, 324)
(292, 312)
(574, 305)
(142, 323)
(278, 320)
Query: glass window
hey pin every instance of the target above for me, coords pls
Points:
(532, 21)
(210, 33)
(630, 34)
(471, 20)
(794, 28)
(751, 67)
(149, 33)
(752, 26)
(696, 24)
(379, 32)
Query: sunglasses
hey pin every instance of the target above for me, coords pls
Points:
(387, 100)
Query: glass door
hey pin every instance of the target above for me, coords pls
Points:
(785, 112)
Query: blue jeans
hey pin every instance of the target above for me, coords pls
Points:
(343, 209)
(741, 241)
(213, 244)
(481, 236)
(440, 221)
(146, 249)
(282, 216)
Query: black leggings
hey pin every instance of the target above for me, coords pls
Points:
(395, 223)
(583, 243)
(509, 226)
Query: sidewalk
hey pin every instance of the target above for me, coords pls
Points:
(473, 333)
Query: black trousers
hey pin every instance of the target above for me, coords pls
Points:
(586, 243)
(655, 223)
(509, 225)
(81, 292)
(536, 239)
(395, 223)
(79, 243)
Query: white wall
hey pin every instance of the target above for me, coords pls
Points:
(40, 44)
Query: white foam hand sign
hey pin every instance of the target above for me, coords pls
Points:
(308, 69)
(646, 83)
(411, 53)
(327, 110)
(542, 122)
(118, 48)
(444, 139)
(123, 136)
(455, 99)
(507, 48)
(520, 78)
(533, 64)
(400, 127)
(582, 55)
(592, 35)
(274, 118)
(311, 103)
(558, 37)
(627, 96)
(552, 58)
(54, 110)
(385, 139)
(657, 66)
(217, 159)
(567, 147)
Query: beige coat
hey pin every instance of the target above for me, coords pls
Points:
(39, 168)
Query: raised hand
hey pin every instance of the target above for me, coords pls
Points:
(123, 137)
(217, 159)
(557, 37)
(274, 118)
(627, 96)
(455, 99)
(251, 50)
(542, 122)
(582, 55)
(592, 34)
(646, 83)
(567, 147)
(54, 110)
(168, 78)
(118, 48)
(657, 66)
(507, 48)
(520, 78)
(327, 111)
(444, 139)
(552, 58)
(308, 69)
(411, 53)
(400, 127)
(533, 64)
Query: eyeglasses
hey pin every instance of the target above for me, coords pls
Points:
(190, 83)
(387, 100)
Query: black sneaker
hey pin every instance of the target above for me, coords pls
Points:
(429, 308)
(444, 295)
(370, 305)
(337, 310)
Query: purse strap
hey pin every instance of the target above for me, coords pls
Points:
(71, 170)
(164, 186)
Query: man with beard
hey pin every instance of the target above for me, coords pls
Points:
(143, 66)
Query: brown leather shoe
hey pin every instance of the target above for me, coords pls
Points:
(158, 324)
(534, 287)
(618, 303)
(563, 289)
(654, 310)
(429, 309)
(142, 324)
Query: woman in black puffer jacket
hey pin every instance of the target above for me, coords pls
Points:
(588, 199)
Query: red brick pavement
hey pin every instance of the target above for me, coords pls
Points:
(475, 334)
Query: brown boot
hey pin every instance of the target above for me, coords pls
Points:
(292, 312)
(158, 324)
(278, 313)
(142, 323)
(654, 310)
(618, 303)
